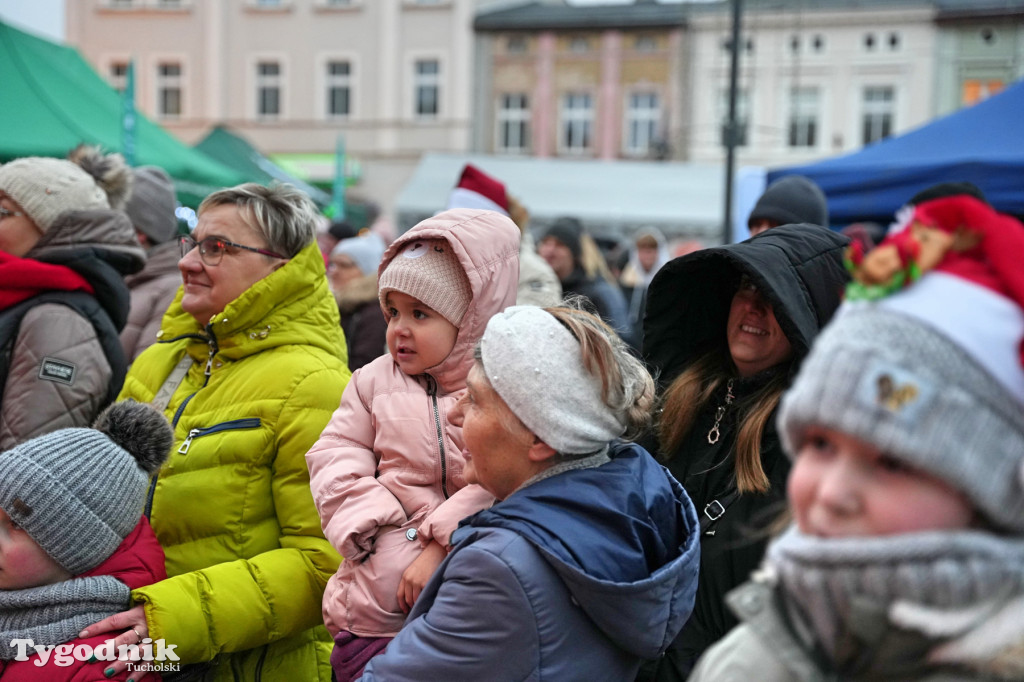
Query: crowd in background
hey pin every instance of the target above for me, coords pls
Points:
(296, 449)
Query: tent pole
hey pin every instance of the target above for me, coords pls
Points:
(731, 132)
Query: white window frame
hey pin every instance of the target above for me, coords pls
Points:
(331, 81)
(427, 80)
(573, 117)
(878, 117)
(641, 124)
(166, 83)
(258, 81)
(803, 125)
(510, 119)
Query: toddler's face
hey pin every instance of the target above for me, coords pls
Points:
(23, 563)
(843, 487)
(418, 336)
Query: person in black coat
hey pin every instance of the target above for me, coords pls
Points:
(725, 330)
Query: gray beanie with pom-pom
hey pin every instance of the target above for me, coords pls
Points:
(79, 492)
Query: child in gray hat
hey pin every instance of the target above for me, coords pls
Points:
(906, 425)
(74, 542)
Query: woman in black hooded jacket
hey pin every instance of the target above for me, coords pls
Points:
(725, 330)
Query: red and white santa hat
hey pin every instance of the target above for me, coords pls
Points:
(476, 189)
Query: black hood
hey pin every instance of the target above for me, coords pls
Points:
(798, 267)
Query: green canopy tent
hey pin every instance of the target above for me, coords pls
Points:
(235, 151)
(51, 100)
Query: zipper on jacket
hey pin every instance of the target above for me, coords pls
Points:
(432, 392)
(233, 425)
(212, 341)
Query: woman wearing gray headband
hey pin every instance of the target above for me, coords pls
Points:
(588, 562)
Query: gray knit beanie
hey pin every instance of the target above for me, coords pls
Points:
(896, 381)
(79, 492)
(790, 200)
(428, 270)
(366, 250)
(152, 203)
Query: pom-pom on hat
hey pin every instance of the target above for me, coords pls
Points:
(79, 492)
(152, 203)
(476, 189)
(927, 367)
(428, 270)
(47, 188)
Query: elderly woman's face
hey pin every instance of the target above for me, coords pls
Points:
(756, 341)
(497, 445)
(210, 288)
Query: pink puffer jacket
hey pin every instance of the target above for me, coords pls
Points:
(386, 473)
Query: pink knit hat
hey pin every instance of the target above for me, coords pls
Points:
(428, 270)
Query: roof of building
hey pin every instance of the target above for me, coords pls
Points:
(535, 16)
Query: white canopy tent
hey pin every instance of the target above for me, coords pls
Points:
(611, 198)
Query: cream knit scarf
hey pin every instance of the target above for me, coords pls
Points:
(54, 614)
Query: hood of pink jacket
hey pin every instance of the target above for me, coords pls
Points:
(487, 246)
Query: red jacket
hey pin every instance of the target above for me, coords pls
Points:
(138, 561)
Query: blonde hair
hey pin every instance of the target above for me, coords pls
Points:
(283, 214)
(692, 391)
(592, 260)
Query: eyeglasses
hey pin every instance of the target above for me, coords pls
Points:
(8, 213)
(212, 249)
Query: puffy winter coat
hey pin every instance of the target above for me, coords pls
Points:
(247, 560)
(577, 576)
(137, 561)
(65, 367)
(799, 270)
(387, 472)
(152, 291)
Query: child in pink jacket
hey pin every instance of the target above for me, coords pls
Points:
(386, 473)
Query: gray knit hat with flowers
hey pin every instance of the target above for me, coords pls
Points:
(428, 270)
(931, 373)
(47, 188)
(79, 492)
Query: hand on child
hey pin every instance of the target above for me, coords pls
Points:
(416, 576)
(131, 628)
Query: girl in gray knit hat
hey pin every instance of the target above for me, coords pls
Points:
(73, 541)
(906, 426)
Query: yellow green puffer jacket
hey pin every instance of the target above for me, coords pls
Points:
(232, 506)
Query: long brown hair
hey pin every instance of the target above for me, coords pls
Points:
(691, 392)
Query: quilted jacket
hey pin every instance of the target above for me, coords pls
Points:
(231, 507)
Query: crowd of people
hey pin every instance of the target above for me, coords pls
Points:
(281, 450)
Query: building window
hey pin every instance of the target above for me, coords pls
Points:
(869, 42)
(168, 89)
(577, 122)
(516, 45)
(988, 36)
(119, 76)
(818, 43)
(794, 44)
(579, 44)
(894, 41)
(645, 43)
(974, 90)
(514, 123)
(879, 109)
(337, 3)
(643, 116)
(120, 4)
(169, 4)
(748, 45)
(742, 117)
(339, 88)
(268, 89)
(803, 117)
(427, 87)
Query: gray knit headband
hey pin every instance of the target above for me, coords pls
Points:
(534, 363)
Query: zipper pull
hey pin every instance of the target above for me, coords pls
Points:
(183, 448)
(209, 364)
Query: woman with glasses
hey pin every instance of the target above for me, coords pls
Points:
(725, 329)
(64, 251)
(352, 272)
(249, 366)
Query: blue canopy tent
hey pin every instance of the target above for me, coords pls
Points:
(982, 144)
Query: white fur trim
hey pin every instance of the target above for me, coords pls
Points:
(467, 198)
(986, 324)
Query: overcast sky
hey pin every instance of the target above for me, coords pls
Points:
(42, 17)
